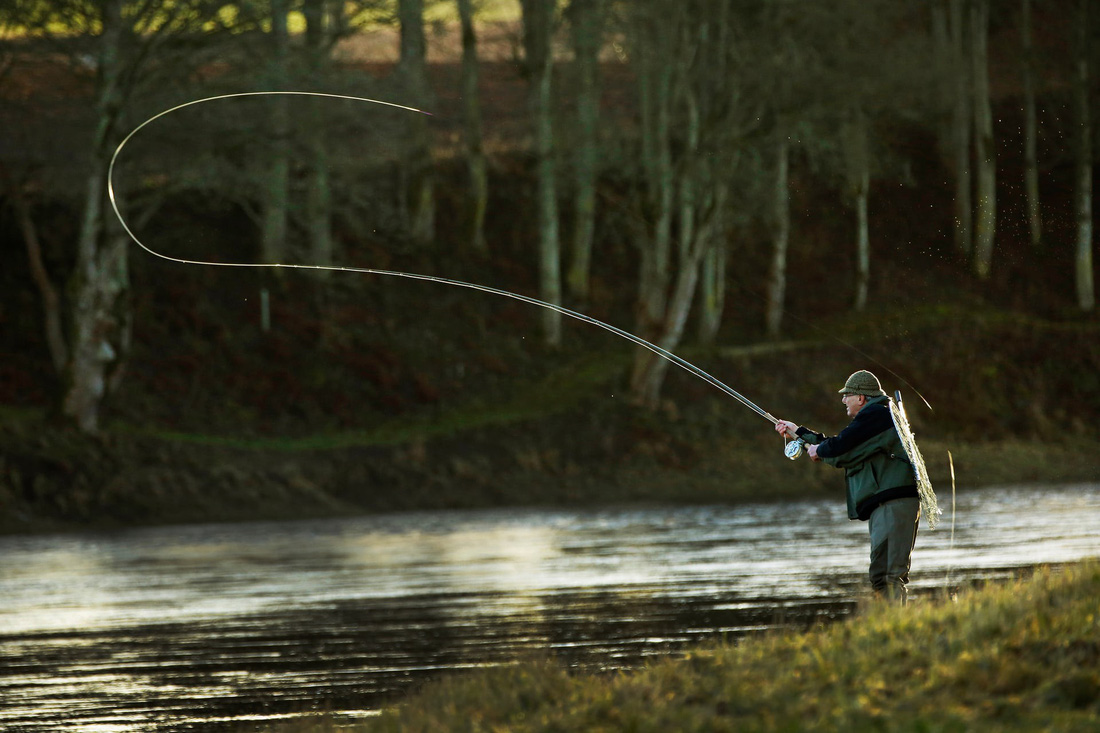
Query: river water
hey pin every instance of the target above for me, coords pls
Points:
(222, 627)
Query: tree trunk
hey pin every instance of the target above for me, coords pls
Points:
(651, 369)
(587, 27)
(276, 185)
(961, 125)
(858, 172)
(781, 223)
(694, 238)
(653, 276)
(1086, 293)
(100, 280)
(319, 190)
(863, 245)
(418, 170)
(1031, 133)
(476, 163)
(984, 154)
(712, 293)
(51, 301)
(538, 20)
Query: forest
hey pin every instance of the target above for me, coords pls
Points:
(218, 303)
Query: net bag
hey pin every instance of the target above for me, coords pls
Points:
(929, 507)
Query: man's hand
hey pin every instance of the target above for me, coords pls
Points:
(811, 451)
(787, 428)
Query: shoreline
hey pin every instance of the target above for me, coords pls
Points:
(59, 481)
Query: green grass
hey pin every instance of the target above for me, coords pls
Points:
(1019, 656)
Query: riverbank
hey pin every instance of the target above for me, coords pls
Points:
(53, 479)
(1021, 655)
(1013, 399)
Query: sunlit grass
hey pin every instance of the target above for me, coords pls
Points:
(1022, 656)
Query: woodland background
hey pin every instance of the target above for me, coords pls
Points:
(781, 192)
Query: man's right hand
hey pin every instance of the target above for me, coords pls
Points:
(787, 428)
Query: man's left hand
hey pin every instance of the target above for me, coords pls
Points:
(811, 451)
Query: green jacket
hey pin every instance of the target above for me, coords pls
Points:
(870, 452)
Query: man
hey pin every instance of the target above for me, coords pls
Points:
(881, 485)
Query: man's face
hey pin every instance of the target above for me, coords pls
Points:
(853, 403)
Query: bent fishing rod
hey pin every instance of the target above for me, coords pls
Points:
(639, 341)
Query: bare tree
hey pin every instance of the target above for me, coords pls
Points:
(985, 212)
(126, 45)
(476, 162)
(656, 29)
(418, 166)
(858, 169)
(275, 189)
(1086, 291)
(538, 25)
(780, 234)
(318, 39)
(692, 136)
(1031, 134)
(587, 27)
(951, 30)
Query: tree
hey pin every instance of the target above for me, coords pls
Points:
(951, 30)
(655, 29)
(780, 232)
(858, 169)
(277, 153)
(985, 213)
(318, 186)
(476, 162)
(693, 127)
(1031, 161)
(538, 25)
(130, 48)
(587, 27)
(418, 166)
(1086, 292)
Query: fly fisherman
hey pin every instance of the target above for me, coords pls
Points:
(882, 487)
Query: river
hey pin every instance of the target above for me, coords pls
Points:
(220, 627)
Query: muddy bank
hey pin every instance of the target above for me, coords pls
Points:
(52, 478)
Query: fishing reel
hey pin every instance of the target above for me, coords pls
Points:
(794, 448)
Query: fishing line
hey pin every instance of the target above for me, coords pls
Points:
(659, 351)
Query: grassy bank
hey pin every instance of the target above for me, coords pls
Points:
(1020, 656)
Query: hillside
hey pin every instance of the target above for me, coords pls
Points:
(372, 393)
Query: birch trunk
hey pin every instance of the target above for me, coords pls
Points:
(1031, 162)
(781, 223)
(538, 19)
(984, 154)
(961, 126)
(693, 241)
(653, 274)
(100, 316)
(859, 183)
(587, 26)
(863, 244)
(276, 184)
(712, 293)
(476, 163)
(319, 189)
(418, 167)
(1086, 292)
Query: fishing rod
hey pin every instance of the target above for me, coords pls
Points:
(658, 350)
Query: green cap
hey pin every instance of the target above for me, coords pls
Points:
(864, 383)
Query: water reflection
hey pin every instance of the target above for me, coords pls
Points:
(203, 627)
